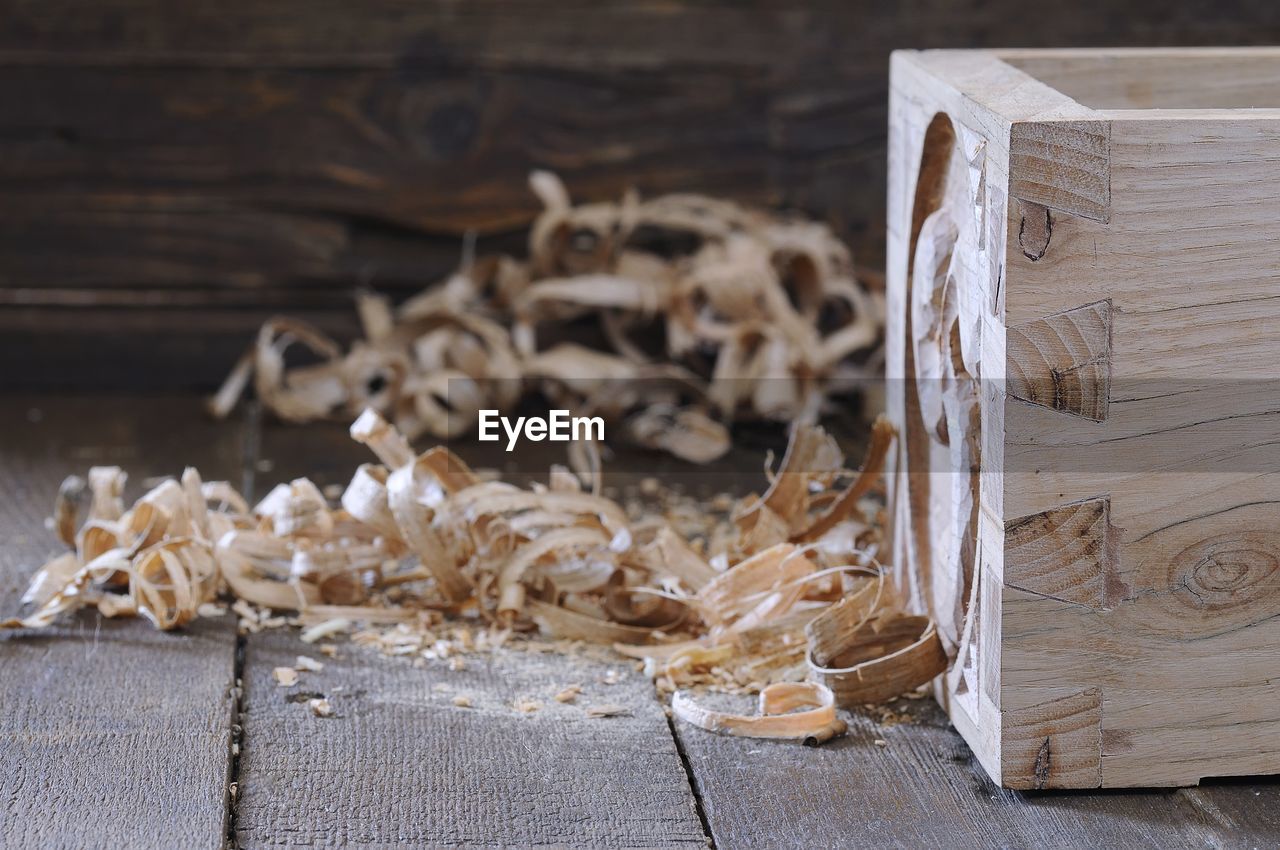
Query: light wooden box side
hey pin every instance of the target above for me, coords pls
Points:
(1112, 596)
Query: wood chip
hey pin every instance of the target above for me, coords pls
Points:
(305, 662)
(528, 706)
(211, 610)
(245, 611)
(462, 701)
(285, 676)
(569, 693)
(328, 628)
(320, 707)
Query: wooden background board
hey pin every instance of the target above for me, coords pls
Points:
(173, 175)
(111, 734)
(924, 789)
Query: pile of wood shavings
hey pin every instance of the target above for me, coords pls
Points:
(706, 312)
(435, 562)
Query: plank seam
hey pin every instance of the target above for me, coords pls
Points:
(250, 452)
(687, 766)
(231, 819)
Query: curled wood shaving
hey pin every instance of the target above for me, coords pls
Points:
(885, 655)
(154, 559)
(66, 508)
(778, 717)
(425, 558)
(724, 312)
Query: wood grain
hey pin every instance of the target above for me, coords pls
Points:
(1151, 79)
(1067, 553)
(623, 35)
(1126, 553)
(400, 765)
(111, 734)
(1054, 744)
(925, 789)
(1062, 165)
(154, 155)
(1063, 361)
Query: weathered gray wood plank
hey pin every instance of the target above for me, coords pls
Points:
(111, 733)
(923, 788)
(400, 764)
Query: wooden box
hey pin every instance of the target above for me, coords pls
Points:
(1084, 336)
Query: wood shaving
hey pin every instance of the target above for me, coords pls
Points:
(320, 707)
(285, 677)
(309, 664)
(608, 710)
(778, 717)
(774, 588)
(325, 629)
(462, 702)
(528, 706)
(877, 658)
(211, 610)
(71, 497)
(723, 312)
(247, 613)
(569, 694)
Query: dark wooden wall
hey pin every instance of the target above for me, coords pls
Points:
(172, 173)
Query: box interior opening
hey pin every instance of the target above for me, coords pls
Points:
(1159, 81)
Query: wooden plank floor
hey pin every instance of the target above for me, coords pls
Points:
(114, 735)
(923, 788)
(400, 765)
